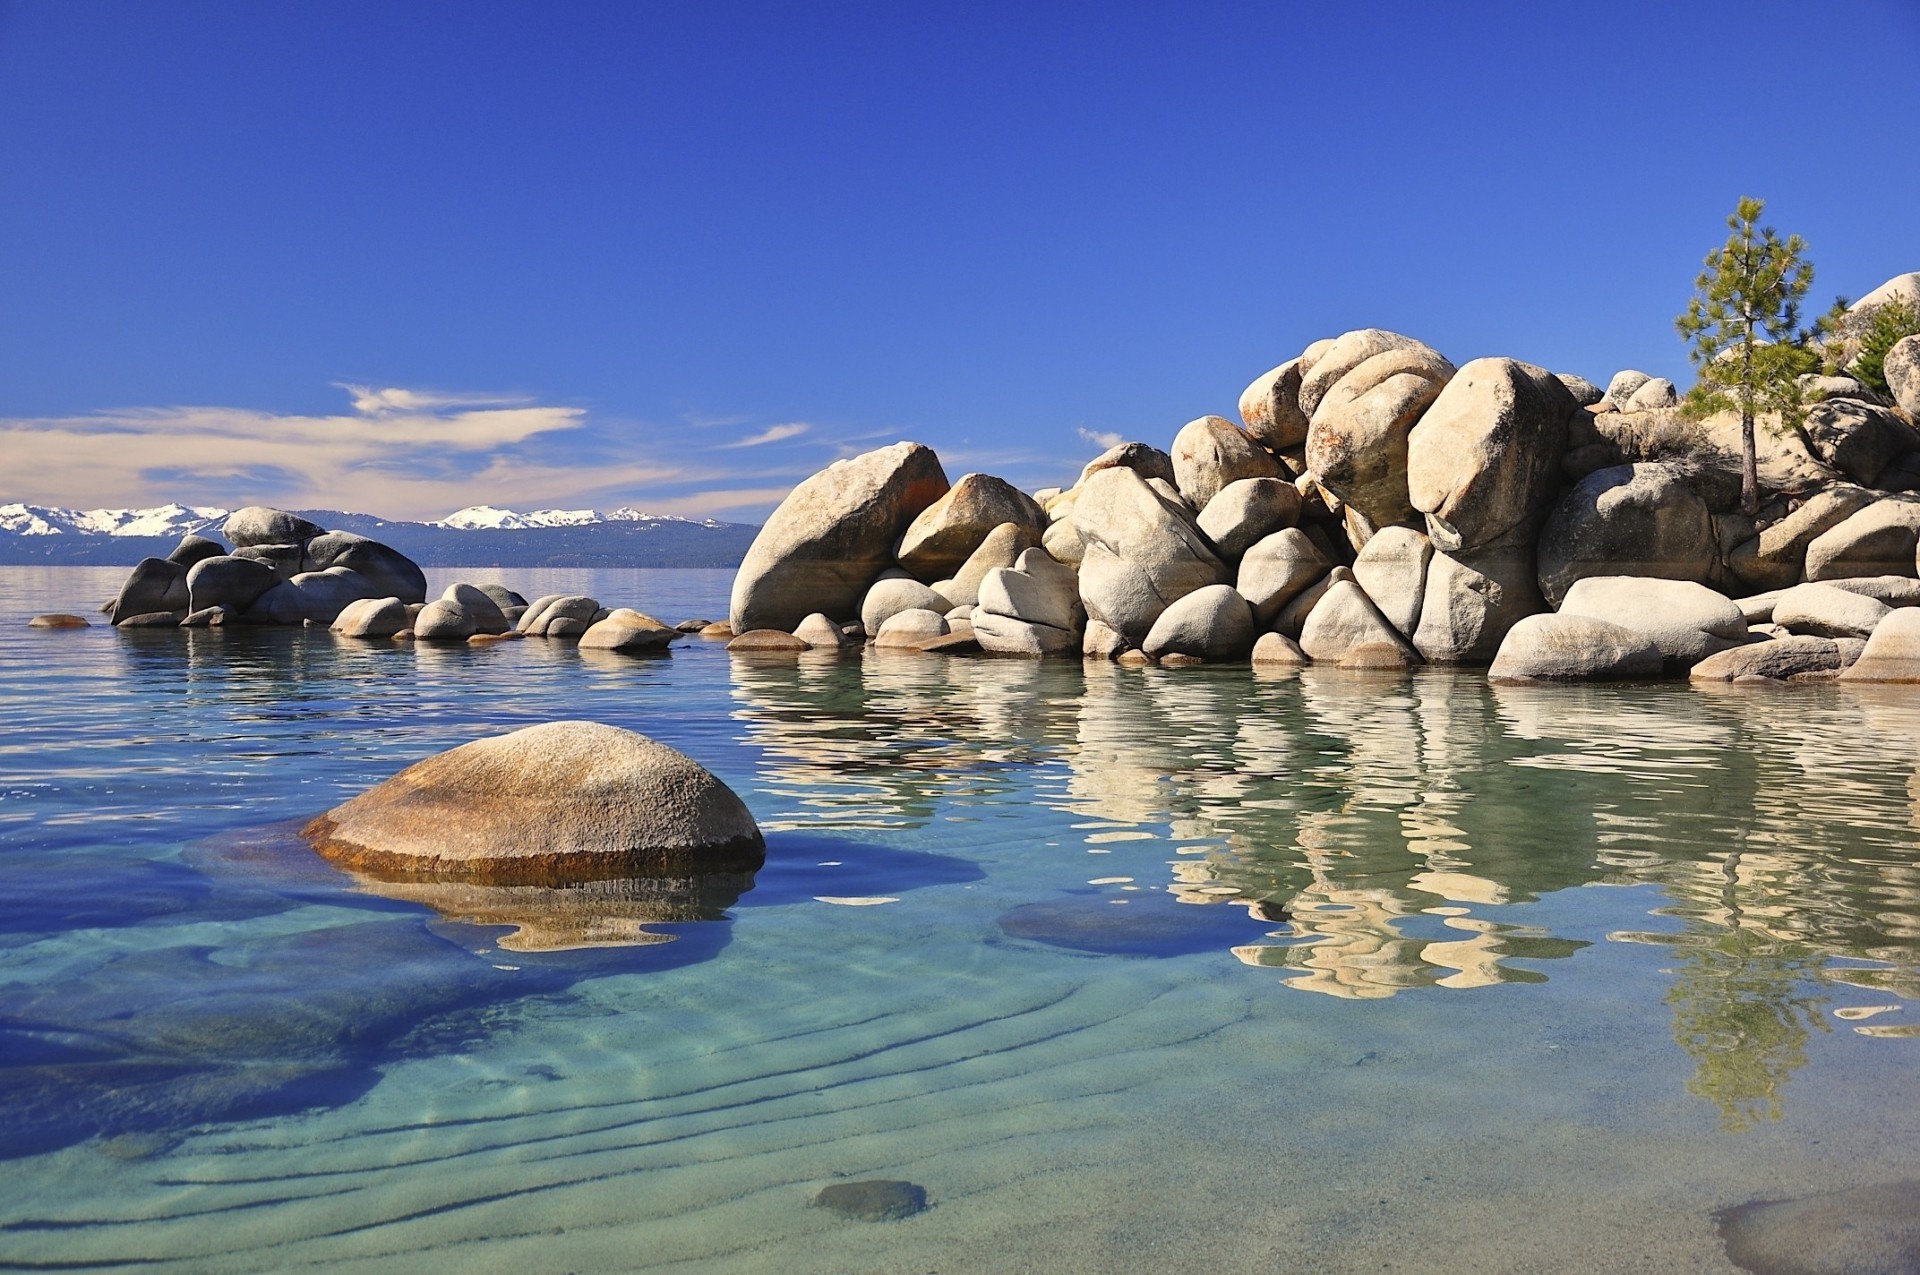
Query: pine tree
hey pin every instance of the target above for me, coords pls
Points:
(1887, 325)
(1743, 326)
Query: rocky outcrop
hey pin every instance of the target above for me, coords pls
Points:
(259, 525)
(1210, 453)
(392, 572)
(552, 804)
(1357, 442)
(1777, 556)
(1484, 460)
(832, 536)
(1033, 608)
(1392, 570)
(942, 535)
(1144, 551)
(1640, 520)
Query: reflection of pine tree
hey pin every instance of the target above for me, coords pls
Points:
(1738, 1008)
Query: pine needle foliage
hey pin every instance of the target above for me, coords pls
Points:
(1887, 325)
(1743, 332)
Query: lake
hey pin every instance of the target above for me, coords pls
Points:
(1204, 969)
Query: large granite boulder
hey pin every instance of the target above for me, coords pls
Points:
(287, 561)
(373, 618)
(259, 525)
(153, 586)
(1892, 653)
(908, 629)
(1472, 598)
(1001, 548)
(391, 571)
(1392, 569)
(1651, 395)
(1585, 393)
(1640, 520)
(478, 603)
(192, 549)
(1249, 510)
(1039, 590)
(628, 632)
(1143, 551)
(888, 598)
(1777, 556)
(1901, 367)
(444, 620)
(1623, 386)
(1007, 635)
(1214, 624)
(553, 804)
(1686, 621)
(1573, 648)
(1780, 660)
(1879, 540)
(1270, 408)
(1211, 452)
(227, 581)
(1485, 458)
(1276, 570)
(832, 536)
(1861, 440)
(316, 596)
(1143, 459)
(1821, 610)
(1357, 442)
(1321, 371)
(557, 608)
(1345, 619)
(942, 535)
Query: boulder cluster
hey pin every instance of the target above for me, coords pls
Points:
(1376, 506)
(284, 569)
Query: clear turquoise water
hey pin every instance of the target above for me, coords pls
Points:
(1195, 970)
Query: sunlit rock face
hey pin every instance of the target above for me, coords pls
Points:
(550, 805)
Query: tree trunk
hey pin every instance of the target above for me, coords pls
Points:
(1749, 467)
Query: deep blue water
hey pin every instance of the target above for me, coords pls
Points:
(1198, 969)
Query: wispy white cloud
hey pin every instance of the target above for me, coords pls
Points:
(1102, 439)
(371, 400)
(772, 434)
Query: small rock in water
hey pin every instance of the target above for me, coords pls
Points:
(58, 622)
(1872, 1230)
(874, 1200)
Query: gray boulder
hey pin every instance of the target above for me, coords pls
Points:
(1879, 540)
(445, 621)
(1777, 556)
(1102, 643)
(154, 585)
(317, 596)
(1278, 649)
(1485, 458)
(1859, 439)
(1357, 442)
(1293, 617)
(942, 535)
(1686, 621)
(1573, 648)
(1901, 367)
(832, 536)
(1270, 408)
(476, 602)
(1339, 356)
(1392, 570)
(1005, 635)
(373, 618)
(1001, 548)
(1585, 393)
(228, 581)
(1345, 618)
(1892, 654)
(287, 561)
(1143, 551)
(192, 549)
(259, 525)
(1064, 541)
(554, 804)
(502, 596)
(820, 633)
(1651, 395)
(910, 629)
(391, 571)
(1142, 459)
(554, 608)
(1040, 592)
(1473, 598)
(628, 632)
(1211, 452)
(1247, 511)
(1780, 660)
(1640, 520)
(208, 618)
(1821, 610)
(1213, 624)
(1621, 389)
(1277, 569)
(888, 598)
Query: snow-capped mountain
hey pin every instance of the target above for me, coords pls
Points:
(489, 518)
(164, 520)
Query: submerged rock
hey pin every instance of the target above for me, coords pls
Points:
(874, 1200)
(548, 805)
(1871, 1230)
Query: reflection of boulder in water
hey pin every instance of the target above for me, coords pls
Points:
(612, 913)
(1149, 923)
(1873, 1230)
(164, 1040)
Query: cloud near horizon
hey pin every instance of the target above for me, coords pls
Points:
(400, 453)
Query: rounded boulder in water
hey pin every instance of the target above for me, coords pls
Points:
(550, 804)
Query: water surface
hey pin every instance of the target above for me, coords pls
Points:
(1196, 969)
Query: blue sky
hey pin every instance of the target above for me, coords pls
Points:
(402, 257)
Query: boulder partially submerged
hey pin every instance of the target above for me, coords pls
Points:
(548, 805)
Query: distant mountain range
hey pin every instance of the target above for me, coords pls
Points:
(478, 536)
